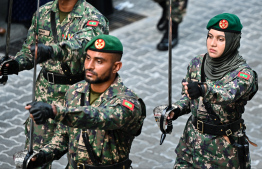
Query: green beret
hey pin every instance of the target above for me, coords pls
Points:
(225, 22)
(105, 43)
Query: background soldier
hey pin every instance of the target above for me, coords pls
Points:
(101, 117)
(65, 27)
(215, 90)
(177, 14)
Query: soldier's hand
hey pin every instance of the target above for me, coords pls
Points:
(193, 90)
(12, 67)
(40, 112)
(173, 115)
(44, 53)
(37, 161)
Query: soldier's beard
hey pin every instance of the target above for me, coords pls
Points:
(103, 78)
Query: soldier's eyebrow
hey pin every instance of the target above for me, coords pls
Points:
(101, 58)
(96, 57)
(210, 34)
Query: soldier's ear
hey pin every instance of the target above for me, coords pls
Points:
(117, 66)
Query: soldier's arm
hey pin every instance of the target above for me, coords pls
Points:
(24, 56)
(239, 87)
(72, 49)
(119, 114)
(58, 145)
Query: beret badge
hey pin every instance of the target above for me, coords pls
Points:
(223, 24)
(99, 43)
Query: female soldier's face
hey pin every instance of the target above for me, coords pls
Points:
(216, 43)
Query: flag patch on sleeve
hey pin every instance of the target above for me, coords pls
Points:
(92, 23)
(243, 75)
(128, 104)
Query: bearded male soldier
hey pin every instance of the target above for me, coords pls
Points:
(101, 116)
(215, 90)
(65, 27)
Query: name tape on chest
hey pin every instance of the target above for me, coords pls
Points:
(43, 32)
(128, 104)
(243, 75)
(92, 23)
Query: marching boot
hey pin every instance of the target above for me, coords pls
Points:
(163, 44)
(163, 22)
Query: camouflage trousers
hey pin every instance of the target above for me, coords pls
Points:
(197, 150)
(178, 9)
(50, 94)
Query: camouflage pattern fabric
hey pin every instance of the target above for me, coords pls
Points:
(178, 9)
(227, 96)
(111, 124)
(73, 34)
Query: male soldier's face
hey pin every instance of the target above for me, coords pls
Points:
(99, 67)
(216, 42)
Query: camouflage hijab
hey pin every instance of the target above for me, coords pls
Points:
(216, 68)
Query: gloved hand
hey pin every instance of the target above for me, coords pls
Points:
(39, 161)
(174, 113)
(194, 90)
(44, 52)
(41, 112)
(12, 68)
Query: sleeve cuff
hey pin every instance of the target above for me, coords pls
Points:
(57, 52)
(60, 113)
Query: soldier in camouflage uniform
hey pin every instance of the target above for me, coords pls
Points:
(61, 56)
(215, 90)
(177, 14)
(101, 116)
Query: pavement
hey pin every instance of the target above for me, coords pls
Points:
(145, 71)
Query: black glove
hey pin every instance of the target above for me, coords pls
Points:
(41, 112)
(159, 110)
(176, 113)
(194, 90)
(43, 53)
(13, 67)
(40, 160)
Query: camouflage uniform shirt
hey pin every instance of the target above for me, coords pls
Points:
(112, 122)
(73, 34)
(227, 96)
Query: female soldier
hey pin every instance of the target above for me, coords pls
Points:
(215, 90)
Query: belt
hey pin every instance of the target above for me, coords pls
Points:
(223, 129)
(126, 164)
(53, 78)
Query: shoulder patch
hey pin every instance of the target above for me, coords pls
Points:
(128, 104)
(243, 75)
(92, 23)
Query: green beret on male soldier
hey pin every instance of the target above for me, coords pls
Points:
(105, 43)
